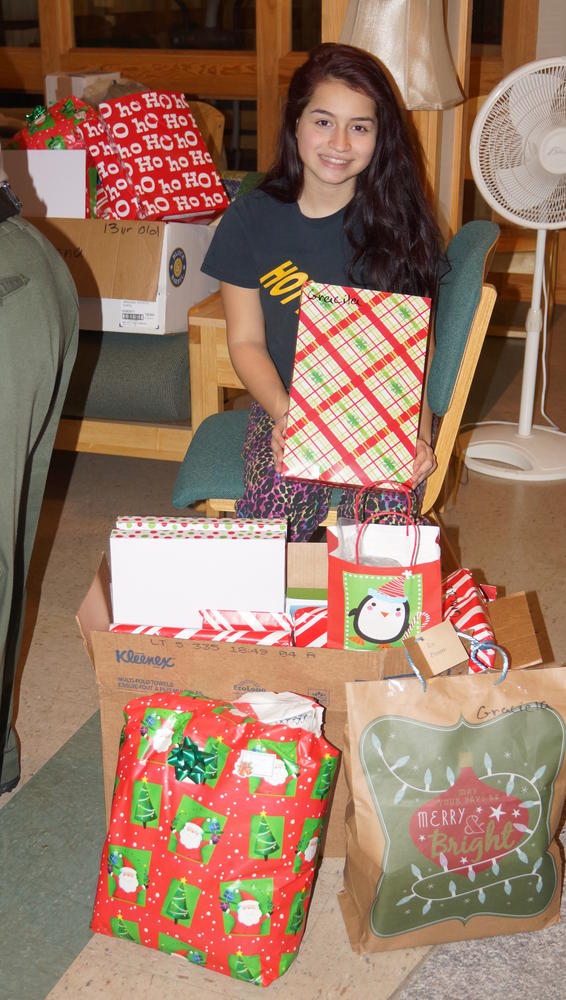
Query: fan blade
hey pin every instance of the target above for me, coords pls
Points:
(535, 98)
(523, 188)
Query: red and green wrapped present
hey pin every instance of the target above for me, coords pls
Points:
(356, 388)
(214, 832)
(53, 128)
(464, 604)
(61, 127)
(164, 155)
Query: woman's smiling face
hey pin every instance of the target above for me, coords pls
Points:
(336, 136)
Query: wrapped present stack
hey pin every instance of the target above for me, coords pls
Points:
(146, 157)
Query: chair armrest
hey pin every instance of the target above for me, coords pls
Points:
(211, 370)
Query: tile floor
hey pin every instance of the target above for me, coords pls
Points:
(51, 826)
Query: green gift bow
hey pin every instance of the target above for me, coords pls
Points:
(190, 762)
(38, 112)
(38, 119)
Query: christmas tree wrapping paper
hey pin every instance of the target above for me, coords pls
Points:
(456, 795)
(214, 832)
(464, 604)
(356, 387)
(164, 155)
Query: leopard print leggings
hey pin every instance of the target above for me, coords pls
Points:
(303, 504)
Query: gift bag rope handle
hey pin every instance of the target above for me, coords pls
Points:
(401, 488)
(475, 647)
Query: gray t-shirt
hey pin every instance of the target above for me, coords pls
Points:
(268, 244)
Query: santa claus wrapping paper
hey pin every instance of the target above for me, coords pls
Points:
(214, 830)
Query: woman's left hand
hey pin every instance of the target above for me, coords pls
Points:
(278, 440)
(425, 462)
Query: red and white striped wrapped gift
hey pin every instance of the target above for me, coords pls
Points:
(257, 621)
(311, 626)
(271, 637)
(464, 604)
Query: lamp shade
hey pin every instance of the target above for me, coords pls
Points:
(409, 39)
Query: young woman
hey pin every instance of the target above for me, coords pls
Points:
(342, 204)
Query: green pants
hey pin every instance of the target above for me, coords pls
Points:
(38, 344)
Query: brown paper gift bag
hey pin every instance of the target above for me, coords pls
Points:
(455, 796)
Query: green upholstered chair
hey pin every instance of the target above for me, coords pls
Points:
(212, 469)
(107, 381)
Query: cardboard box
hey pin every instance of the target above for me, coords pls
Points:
(48, 181)
(134, 276)
(58, 86)
(129, 666)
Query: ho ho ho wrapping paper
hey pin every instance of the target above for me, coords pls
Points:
(357, 385)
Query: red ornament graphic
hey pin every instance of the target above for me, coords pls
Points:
(468, 825)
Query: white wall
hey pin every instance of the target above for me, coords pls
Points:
(551, 39)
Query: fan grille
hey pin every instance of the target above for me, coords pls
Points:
(510, 174)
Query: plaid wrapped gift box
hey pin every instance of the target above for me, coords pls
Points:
(357, 385)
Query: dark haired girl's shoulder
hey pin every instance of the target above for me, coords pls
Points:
(256, 204)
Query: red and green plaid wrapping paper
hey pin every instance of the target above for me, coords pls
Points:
(357, 386)
(214, 832)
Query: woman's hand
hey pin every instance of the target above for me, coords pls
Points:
(278, 439)
(425, 462)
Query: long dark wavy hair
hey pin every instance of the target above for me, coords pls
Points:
(389, 223)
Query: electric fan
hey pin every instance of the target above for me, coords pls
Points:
(518, 160)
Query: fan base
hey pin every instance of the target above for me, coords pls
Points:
(497, 449)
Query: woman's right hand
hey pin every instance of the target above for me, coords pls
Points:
(278, 439)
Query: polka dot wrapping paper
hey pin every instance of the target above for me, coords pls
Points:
(215, 826)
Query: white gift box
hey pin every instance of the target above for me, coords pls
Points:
(169, 576)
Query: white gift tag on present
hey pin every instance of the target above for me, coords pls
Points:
(255, 764)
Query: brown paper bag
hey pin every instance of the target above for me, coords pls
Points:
(455, 796)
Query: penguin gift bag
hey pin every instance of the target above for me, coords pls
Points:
(384, 583)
